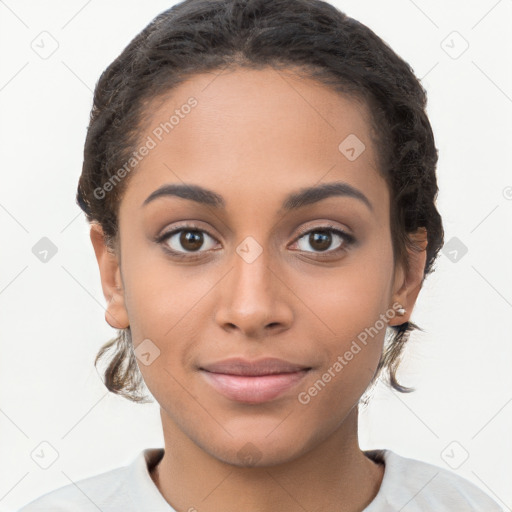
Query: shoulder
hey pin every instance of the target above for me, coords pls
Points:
(414, 485)
(116, 490)
(89, 494)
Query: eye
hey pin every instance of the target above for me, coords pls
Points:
(321, 239)
(185, 240)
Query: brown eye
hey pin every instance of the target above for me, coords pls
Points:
(186, 240)
(191, 240)
(322, 238)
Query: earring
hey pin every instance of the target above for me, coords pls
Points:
(401, 311)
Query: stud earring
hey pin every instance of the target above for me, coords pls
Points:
(401, 311)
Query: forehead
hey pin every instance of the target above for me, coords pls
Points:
(255, 134)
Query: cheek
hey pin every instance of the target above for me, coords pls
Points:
(347, 299)
(350, 343)
(349, 317)
(166, 305)
(158, 294)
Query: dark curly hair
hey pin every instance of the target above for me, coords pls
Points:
(310, 37)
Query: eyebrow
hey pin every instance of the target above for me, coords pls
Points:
(294, 201)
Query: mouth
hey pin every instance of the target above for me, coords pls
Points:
(253, 382)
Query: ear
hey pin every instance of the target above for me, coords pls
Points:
(115, 312)
(407, 285)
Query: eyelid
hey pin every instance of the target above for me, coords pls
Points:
(327, 227)
(182, 227)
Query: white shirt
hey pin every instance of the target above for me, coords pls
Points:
(408, 485)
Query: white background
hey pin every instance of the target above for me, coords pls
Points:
(52, 314)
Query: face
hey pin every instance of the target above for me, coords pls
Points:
(256, 271)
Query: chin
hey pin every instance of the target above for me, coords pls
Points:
(262, 450)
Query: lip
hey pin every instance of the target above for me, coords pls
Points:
(265, 366)
(253, 381)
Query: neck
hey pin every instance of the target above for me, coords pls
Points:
(334, 475)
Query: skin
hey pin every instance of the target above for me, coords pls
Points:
(254, 137)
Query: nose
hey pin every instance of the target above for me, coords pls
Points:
(254, 298)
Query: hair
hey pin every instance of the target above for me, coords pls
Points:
(310, 37)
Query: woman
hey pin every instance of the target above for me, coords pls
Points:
(260, 180)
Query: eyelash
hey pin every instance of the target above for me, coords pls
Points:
(348, 239)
